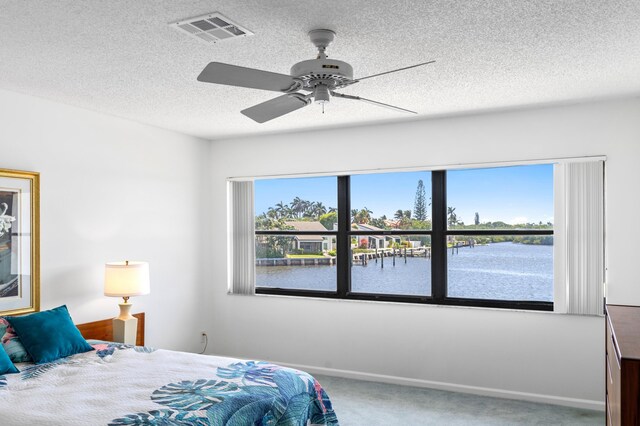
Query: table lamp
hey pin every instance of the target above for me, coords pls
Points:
(126, 279)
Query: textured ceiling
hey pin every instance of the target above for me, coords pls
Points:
(120, 57)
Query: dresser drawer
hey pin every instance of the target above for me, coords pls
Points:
(613, 380)
(613, 357)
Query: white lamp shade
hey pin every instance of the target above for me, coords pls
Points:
(125, 279)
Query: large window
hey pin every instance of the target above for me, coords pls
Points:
(296, 233)
(481, 237)
(500, 233)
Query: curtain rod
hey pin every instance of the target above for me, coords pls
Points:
(449, 166)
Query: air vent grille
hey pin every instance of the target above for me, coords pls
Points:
(211, 28)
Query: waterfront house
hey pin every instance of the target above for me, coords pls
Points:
(307, 243)
(375, 241)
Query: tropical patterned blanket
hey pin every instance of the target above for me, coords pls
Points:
(125, 385)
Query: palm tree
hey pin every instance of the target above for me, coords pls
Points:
(404, 217)
(288, 212)
(363, 216)
(307, 208)
(453, 217)
(318, 209)
(297, 205)
(354, 215)
(280, 208)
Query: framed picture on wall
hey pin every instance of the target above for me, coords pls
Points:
(19, 242)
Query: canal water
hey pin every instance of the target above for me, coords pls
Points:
(504, 271)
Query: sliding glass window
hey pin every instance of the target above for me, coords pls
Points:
(480, 237)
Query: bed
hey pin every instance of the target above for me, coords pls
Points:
(118, 384)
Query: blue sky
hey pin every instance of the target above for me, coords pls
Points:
(510, 194)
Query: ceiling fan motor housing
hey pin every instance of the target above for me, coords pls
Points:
(330, 72)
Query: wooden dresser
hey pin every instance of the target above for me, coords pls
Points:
(622, 367)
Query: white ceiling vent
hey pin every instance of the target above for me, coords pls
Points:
(211, 28)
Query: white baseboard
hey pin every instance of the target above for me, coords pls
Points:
(476, 390)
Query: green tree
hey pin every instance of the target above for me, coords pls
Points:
(328, 219)
(354, 215)
(405, 220)
(318, 209)
(288, 212)
(307, 209)
(420, 204)
(378, 222)
(264, 222)
(281, 209)
(271, 246)
(363, 215)
(452, 216)
(301, 208)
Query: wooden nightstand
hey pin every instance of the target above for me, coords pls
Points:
(103, 330)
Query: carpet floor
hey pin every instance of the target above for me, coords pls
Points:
(358, 402)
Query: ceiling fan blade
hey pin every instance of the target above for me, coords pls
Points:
(389, 72)
(232, 75)
(369, 101)
(276, 107)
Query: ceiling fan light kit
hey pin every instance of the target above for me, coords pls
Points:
(319, 78)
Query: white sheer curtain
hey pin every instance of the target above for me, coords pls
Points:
(241, 239)
(580, 244)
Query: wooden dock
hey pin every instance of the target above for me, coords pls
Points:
(357, 258)
(296, 261)
(400, 253)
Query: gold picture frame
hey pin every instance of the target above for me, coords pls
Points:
(19, 242)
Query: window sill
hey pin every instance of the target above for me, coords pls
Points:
(388, 302)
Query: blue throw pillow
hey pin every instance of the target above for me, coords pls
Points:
(6, 366)
(49, 335)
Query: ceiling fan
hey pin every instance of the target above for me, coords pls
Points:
(312, 80)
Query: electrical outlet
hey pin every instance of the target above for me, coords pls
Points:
(203, 336)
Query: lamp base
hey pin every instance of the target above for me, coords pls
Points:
(125, 326)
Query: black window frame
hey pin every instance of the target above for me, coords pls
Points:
(438, 233)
